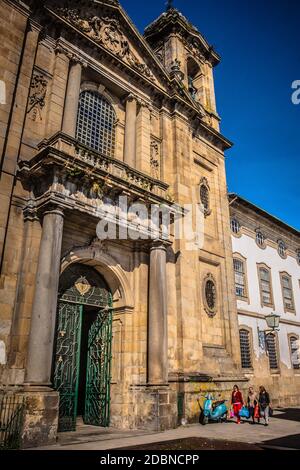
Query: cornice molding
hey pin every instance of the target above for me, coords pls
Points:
(261, 316)
(20, 6)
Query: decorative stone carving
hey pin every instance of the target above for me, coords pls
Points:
(99, 245)
(38, 90)
(106, 32)
(82, 285)
(160, 54)
(154, 160)
(175, 70)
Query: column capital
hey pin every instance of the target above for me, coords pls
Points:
(159, 245)
(130, 97)
(72, 56)
(54, 210)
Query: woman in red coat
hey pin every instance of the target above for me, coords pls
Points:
(237, 402)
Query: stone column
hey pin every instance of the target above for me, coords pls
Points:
(130, 131)
(72, 99)
(157, 321)
(43, 317)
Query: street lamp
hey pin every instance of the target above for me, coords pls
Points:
(273, 325)
(273, 322)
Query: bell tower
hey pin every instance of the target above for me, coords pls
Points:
(186, 54)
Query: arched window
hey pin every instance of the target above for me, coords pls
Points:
(282, 249)
(96, 123)
(260, 239)
(298, 256)
(240, 277)
(271, 347)
(235, 225)
(295, 351)
(193, 71)
(245, 349)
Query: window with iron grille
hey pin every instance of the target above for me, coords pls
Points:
(240, 280)
(265, 286)
(295, 352)
(298, 256)
(287, 292)
(204, 197)
(235, 226)
(245, 349)
(272, 350)
(96, 123)
(210, 294)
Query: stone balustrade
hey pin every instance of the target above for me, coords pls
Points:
(80, 156)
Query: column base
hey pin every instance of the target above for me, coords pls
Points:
(156, 407)
(41, 416)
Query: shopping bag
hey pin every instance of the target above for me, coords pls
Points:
(256, 412)
(244, 412)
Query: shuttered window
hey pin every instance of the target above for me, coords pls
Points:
(295, 352)
(265, 286)
(287, 292)
(240, 278)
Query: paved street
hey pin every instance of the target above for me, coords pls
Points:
(283, 432)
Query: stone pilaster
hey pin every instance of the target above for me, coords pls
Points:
(157, 321)
(40, 347)
(130, 131)
(143, 139)
(72, 98)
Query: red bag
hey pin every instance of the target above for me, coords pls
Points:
(256, 412)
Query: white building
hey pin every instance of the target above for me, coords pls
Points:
(266, 257)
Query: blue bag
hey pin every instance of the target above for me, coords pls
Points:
(244, 412)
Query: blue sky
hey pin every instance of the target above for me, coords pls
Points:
(259, 43)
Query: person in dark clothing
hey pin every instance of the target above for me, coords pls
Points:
(264, 404)
(237, 402)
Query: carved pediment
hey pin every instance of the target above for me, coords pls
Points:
(106, 29)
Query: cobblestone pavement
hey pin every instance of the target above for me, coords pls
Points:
(283, 432)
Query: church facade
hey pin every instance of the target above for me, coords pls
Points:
(121, 331)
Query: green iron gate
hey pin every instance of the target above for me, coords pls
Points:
(76, 292)
(98, 366)
(66, 372)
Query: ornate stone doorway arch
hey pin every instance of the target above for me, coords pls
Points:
(96, 255)
(82, 347)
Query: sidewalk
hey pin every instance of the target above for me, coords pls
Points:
(283, 432)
